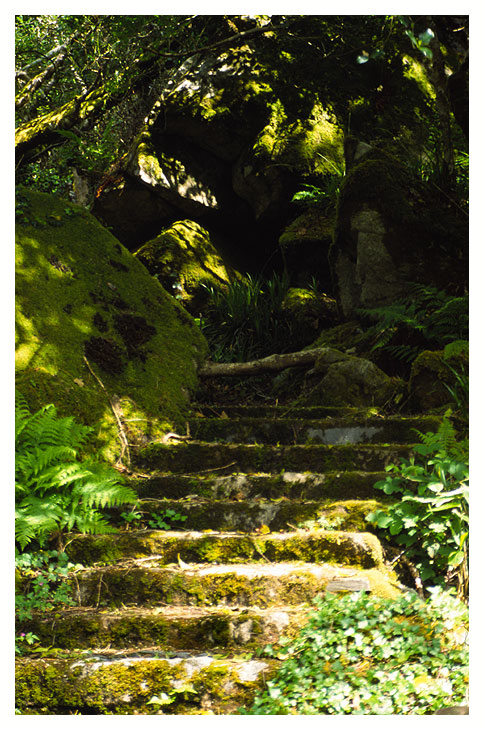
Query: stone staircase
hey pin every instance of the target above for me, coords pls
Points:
(171, 621)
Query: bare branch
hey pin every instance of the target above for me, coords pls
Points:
(253, 367)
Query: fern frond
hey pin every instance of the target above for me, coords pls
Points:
(53, 488)
(94, 523)
(35, 518)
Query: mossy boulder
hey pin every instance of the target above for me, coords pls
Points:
(430, 375)
(184, 259)
(338, 379)
(305, 245)
(95, 333)
(391, 229)
(228, 144)
(306, 312)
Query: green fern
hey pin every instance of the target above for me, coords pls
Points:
(430, 316)
(443, 442)
(54, 490)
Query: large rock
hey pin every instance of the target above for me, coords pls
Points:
(431, 376)
(184, 260)
(306, 313)
(338, 379)
(228, 144)
(305, 245)
(392, 229)
(96, 334)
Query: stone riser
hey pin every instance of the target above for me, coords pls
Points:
(196, 684)
(303, 431)
(248, 516)
(246, 585)
(194, 457)
(166, 628)
(292, 485)
(277, 412)
(361, 549)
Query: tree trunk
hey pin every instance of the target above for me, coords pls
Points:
(442, 104)
(254, 367)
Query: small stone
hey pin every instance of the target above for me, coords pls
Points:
(348, 584)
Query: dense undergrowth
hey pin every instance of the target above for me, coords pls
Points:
(245, 319)
(364, 655)
(55, 492)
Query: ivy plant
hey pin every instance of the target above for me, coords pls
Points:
(41, 586)
(430, 520)
(365, 655)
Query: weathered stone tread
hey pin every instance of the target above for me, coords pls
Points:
(144, 582)
(319, 546)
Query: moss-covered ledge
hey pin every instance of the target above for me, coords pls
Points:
(320, 546)
(125, 685)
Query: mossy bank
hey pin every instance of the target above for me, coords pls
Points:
(95, 334)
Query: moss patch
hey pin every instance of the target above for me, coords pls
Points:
(429, 376)
(183, 258)
(197, 547)
(81, 294)
(103, 685)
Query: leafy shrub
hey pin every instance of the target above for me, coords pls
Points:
(41, 586)
(364, 655)
(54, 490)
(245, 319)
(431, 518)
(427, 318)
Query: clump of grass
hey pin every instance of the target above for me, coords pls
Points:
(245, 319)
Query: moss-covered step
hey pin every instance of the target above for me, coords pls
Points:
(393, 429)
(167, 628)
(197, 456)
(302, 485)
(250, 515)
(275, 412)
(145, 583)
(137, 683)
(164, 547)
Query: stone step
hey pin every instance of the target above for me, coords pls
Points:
(196, 456)
(127, 683)
(148, 583)
(293, 485)
(394, 429)
(166, 628)
(161, 547)
(277, 411)
(250, 515)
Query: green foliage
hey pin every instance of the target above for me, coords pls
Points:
(326, 196)
(54, 490)
(112, 52)
(163, 520)
(430, 521)
(364, 655)
(42, 586)
(155, 521)
(426, 318)
(245, 319)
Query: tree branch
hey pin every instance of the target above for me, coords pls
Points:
(265, 364)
